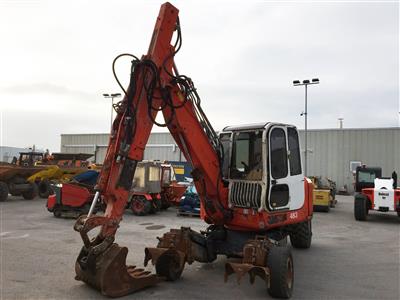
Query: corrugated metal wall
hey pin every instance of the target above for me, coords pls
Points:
(329, 150)
(160, 146)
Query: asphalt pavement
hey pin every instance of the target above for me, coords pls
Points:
(347, 260)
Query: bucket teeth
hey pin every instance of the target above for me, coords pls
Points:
(241, 269)
(109, 273)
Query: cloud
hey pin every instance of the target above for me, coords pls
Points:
(242, 55)
(43, 88)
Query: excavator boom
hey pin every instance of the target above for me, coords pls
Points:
(154, 86)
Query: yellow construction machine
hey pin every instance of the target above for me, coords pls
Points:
(324, 196)
(57, 168)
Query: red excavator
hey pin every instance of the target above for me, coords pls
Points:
(252, 189)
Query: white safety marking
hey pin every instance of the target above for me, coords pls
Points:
(15, 237)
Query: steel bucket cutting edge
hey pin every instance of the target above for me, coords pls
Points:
(108, 272)
(241, 269)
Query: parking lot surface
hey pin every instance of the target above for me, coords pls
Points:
(347, 260)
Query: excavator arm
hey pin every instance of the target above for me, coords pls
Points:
(132, 126)
(201, 147)
(155, 85)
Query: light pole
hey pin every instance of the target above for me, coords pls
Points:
(341, 123)
(112, 96)
(306, 82)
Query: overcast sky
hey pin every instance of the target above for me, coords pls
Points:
(56, 57)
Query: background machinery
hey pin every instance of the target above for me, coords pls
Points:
(190, 203)
(375, 192)
(252, 189)
(145, 197)
(13, 180)
(58, 168)
(171, 189)
(73, 198)
(365, 177)
(14, 177)
(324, 194)
(154, 187)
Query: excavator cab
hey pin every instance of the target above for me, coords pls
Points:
(262, 164)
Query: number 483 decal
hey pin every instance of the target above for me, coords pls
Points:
(293, 215)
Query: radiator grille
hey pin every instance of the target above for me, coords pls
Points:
(245, 194)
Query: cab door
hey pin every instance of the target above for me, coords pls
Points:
(296, 177)
(286, 182)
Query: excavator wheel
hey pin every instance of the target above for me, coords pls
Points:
(280, 264)
(3, 191)
(140, 206)
(301, 235)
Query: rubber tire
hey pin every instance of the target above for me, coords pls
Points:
(278, 266)
(3, 191)
(155, 206)
(301, 235)
(158, 204)
(168, 266)
(332, 201)
(360, 207)
(57, 212)
(44, 189)
(32, 193)
(146, 206)
(164, 203)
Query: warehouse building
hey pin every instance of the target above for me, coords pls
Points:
(160, 146)
(331, 152)
(336, 153)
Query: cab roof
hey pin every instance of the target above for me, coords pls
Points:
(253, 126)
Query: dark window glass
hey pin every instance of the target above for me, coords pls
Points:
(279, 168)
(166, 176)
(226, 144)
(294, 148)
(246, 156)
(279, 195)
(366, 176)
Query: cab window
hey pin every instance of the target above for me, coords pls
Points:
(225, 139)
(247, 156)
(279, 167)
(294, 148)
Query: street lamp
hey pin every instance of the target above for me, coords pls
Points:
(305, 82)
(341, 123)
(112, 96)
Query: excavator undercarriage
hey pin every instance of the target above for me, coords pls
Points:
(102, 264)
